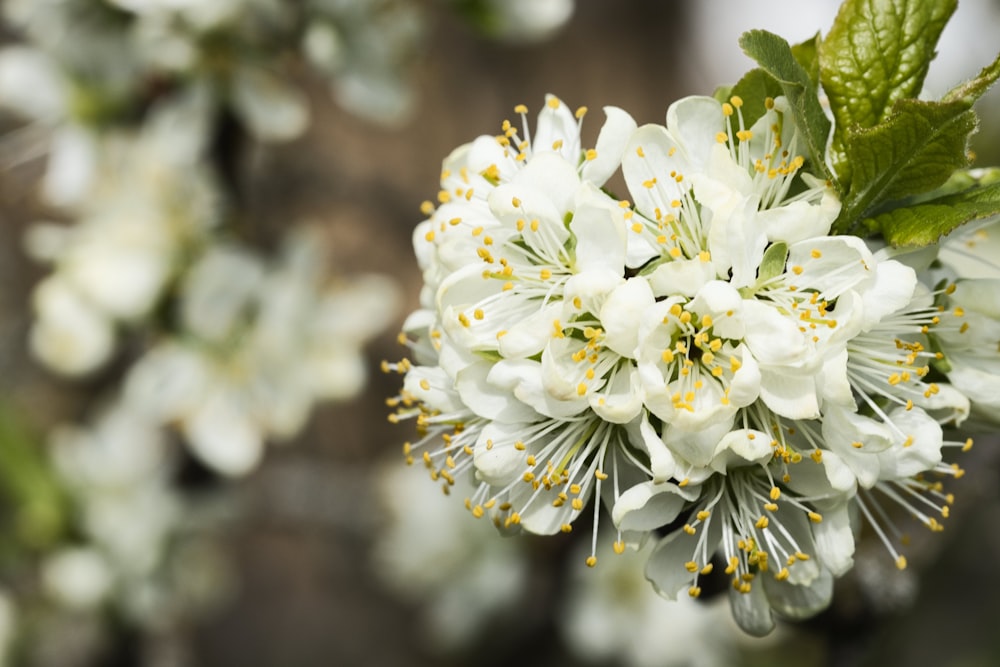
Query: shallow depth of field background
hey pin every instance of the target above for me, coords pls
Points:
(304, 587)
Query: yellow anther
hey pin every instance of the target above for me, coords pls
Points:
(591, 154)
(703, 515)
(762, 522)
(591, 561)
(815, 517)
(901, 562)
(775, 493)
(619, 547)
(816, 254)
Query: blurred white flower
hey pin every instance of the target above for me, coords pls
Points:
(147, 203)
(429, 552)
(256, 346)
(517, 20)
(78, 578)
(611, 613)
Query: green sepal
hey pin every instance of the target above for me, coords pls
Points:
(772, 264)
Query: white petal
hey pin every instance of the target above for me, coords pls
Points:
(666, 569)
(621, 399)
(611, 142)
(752, 611)
(487, 400)
(661, 155)
(981, 295)
(697, 447)
(695, 121)
(661, 459)
(892, 291)
(546, 186)
(799, 601)
(684, 277)
(497, 461)
(835, 538)
(529, 336)
(622, 312)
(599, 229)
(556, 126)
(524, 378)
(919, 452)
(791, 396)
(723, 302)
(741, 447)
(833, 264)
(797, 221)
(648, 506)
(773, 339)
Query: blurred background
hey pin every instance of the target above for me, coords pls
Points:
(320, 548)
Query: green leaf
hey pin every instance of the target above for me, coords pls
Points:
(972, 90)
(915, 150)
(923, 224)
(31, 498)
(807, 55)
(775, 57)
(722, 93)
(754, 89)
(876, 53)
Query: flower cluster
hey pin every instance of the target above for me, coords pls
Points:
(706, 359)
